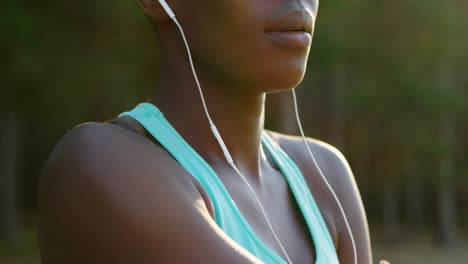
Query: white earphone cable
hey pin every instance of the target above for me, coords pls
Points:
(323, 176)
(189, 53)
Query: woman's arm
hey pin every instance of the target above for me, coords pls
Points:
(105, 197)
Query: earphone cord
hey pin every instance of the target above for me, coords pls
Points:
(323, 177)
(193, 68)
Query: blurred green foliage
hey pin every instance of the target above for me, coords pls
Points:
(25, 247)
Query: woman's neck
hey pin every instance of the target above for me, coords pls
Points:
(238, 116)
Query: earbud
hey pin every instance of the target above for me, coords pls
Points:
(167, 9)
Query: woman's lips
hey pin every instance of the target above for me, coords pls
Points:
(294, 29)
(295, 39)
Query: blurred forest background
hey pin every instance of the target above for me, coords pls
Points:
(387, 84)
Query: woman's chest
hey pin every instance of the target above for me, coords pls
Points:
(269, 201)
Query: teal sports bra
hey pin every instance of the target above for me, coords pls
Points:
(227, 215)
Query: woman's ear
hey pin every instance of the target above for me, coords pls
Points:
(153, 9)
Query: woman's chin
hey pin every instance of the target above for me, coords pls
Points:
(284, 80)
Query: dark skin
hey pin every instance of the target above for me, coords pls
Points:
(110, 195)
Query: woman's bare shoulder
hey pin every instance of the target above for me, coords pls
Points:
(328, 156)
(330, 160)
(339, 175)
(101, 150)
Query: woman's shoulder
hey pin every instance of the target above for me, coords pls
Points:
(327, 156)
(100, 158)
(328, 160)
(120, 138)
(336, 170)
(100, 153)
(93, 146)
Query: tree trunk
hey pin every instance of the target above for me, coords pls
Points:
(446, 167)
(391, 219)
(414, 201)
(8, 177)
(337, 120)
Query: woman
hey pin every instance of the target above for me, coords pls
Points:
(153, 185)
